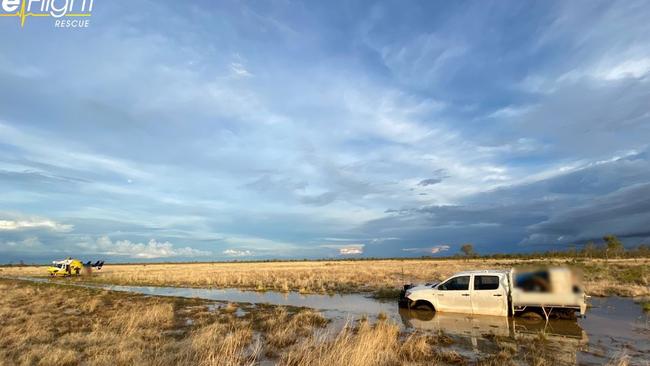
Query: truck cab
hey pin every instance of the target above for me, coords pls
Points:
(473, 292)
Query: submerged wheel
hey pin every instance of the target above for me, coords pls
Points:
(422, 305)
(532, 315)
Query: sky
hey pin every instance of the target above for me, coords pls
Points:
(223, 130)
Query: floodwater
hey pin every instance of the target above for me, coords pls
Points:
(613, 326)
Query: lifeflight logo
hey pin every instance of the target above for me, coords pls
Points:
(66, 13)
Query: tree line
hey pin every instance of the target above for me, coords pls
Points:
(610, 247)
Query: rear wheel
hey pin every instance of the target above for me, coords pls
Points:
(569, 314)
(532, 315)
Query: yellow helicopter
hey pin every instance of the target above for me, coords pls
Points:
(72, 267)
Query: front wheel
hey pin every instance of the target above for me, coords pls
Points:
(423, 305)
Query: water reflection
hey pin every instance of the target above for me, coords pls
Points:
(487, 334)
(614, 327)
(479, 325)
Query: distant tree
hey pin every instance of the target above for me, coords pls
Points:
(572, 252)
(468, 250)
(643, 250)
(589, 250)
(613, 246)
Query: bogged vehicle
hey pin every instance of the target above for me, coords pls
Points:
(71, 266)
(541, 293)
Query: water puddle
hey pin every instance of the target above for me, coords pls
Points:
(613, 327)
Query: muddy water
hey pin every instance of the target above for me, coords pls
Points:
(613, 326)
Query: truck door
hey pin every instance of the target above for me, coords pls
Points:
(489, 296)
(453, 295)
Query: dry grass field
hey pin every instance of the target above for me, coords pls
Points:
(626, 277)
(43, 324)
(53, 325)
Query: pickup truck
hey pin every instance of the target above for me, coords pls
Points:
(541, 293)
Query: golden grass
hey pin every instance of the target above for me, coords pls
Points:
(219, 344)
(627, 277)
(366, 345)
(282, 329)
(55, 325)
(62, 325)
(47, 325)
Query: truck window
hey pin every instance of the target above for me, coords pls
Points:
(486, 282)
(455, 284)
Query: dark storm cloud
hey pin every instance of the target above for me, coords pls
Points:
(585, 204)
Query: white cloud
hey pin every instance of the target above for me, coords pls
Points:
(339, 239)
(259, 244)
(628, 69)
(381, 240)
(439, 248)
(239, 70)
(237, 252)
(33, 223)
(510, 111)
(611, 70)
(153, 249)
(390, 115)
(345, 249)
(430, 250)
(351, 249)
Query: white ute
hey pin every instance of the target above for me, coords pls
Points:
(540, 293)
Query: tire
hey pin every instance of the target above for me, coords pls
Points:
(566, 314)
(423, 305)
(532, 315)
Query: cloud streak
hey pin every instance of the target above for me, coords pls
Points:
(430, 250)
(34, 223)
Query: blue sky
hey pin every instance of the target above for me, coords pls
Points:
(172, 130)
